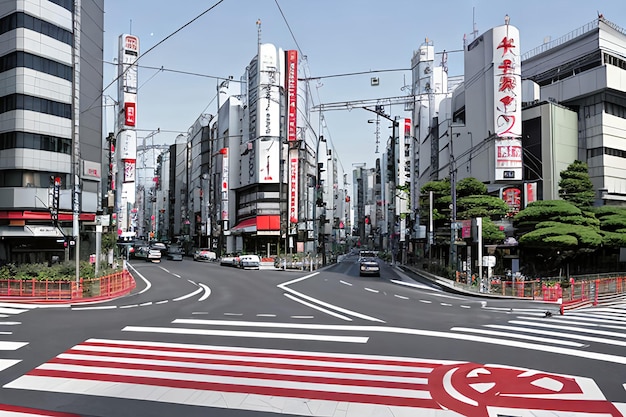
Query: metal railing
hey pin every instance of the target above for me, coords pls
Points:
(103, 287)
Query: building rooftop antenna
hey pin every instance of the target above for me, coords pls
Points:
(474, 29)
(258, 28)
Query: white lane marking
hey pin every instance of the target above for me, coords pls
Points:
(569, 328)
(560, 334)
(414, 285)
(191, 294)
(517, 336)
(165, 269)
(12, 310)
(345, 283)
(4, 316)
(478, 339)
(302, 317)
(148, 283)
(93, 308)
(464, 306)
(284, 286)
(199, 312)
(12, 306)
(569, 317)
(10, 323)
(371, 290)
(425, 301)
(446, 304)
(235, 333)
(265, 315)
(604, 317)
(177, 276)
(233, 314)
(560, 320)
(6, 333)
(318, 308)
(401, 297)
(207, 292)
(6, 363)
(130, 306)
(11, 345)
(147, 303)
(162, 302)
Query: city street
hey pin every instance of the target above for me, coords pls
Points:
(200, 339)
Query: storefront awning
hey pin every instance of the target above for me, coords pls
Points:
(263, 225)
(245, 226)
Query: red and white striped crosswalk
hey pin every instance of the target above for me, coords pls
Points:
(307, 383)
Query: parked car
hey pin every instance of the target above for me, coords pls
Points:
(204, 254)
(369, 266)
(229, 260)
(175, 253)
(249, 262)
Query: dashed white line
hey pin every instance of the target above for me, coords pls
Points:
(345, 283)
(265, 315)
(464, 306)
(199, 312)
(162, 302)
(94, 308)
(371, 290)
(9, 323)
(233, 314)
(401, 297)
(446, 304)
(302, 317)
(130, 306)
(148, 303)
(425, 301)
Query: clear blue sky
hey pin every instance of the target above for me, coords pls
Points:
(337, 36)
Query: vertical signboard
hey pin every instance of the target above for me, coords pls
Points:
(224, 187)
(268, 103)
(128, 53)
(507, 103)
(291, 86)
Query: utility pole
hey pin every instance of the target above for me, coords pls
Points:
(76, 137)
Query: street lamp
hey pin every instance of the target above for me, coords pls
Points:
(319, 201)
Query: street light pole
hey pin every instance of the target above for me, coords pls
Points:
(319, 199)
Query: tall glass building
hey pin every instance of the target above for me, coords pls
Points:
(48, 50)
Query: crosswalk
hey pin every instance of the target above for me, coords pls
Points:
(8, 314)
(156, 364)
(577, 329)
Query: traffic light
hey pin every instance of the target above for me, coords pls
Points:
(54, 207)
(319, 191)
(367, 219)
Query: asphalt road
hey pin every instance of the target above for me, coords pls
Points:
(200, 339)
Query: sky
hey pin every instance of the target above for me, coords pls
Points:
(197, 43)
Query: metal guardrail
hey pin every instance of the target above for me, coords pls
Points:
(104, 287)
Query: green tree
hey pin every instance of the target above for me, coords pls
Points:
(612, 225)
(576, 186)
(555, 231)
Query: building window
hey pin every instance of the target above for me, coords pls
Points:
(28, 179)
(23, 20)
(36, 104)
(66, 4)
(26, 140)
(619, 153)
(19, 59)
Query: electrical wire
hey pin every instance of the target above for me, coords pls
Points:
(152, 48)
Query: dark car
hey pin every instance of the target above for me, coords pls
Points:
(369, 266)
(174, 253)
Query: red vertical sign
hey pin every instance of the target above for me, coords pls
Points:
(291, 83)
(130, 116)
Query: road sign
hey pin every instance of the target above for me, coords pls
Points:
(489, 261)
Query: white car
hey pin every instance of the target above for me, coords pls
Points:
(204, 254)
(249, 262)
